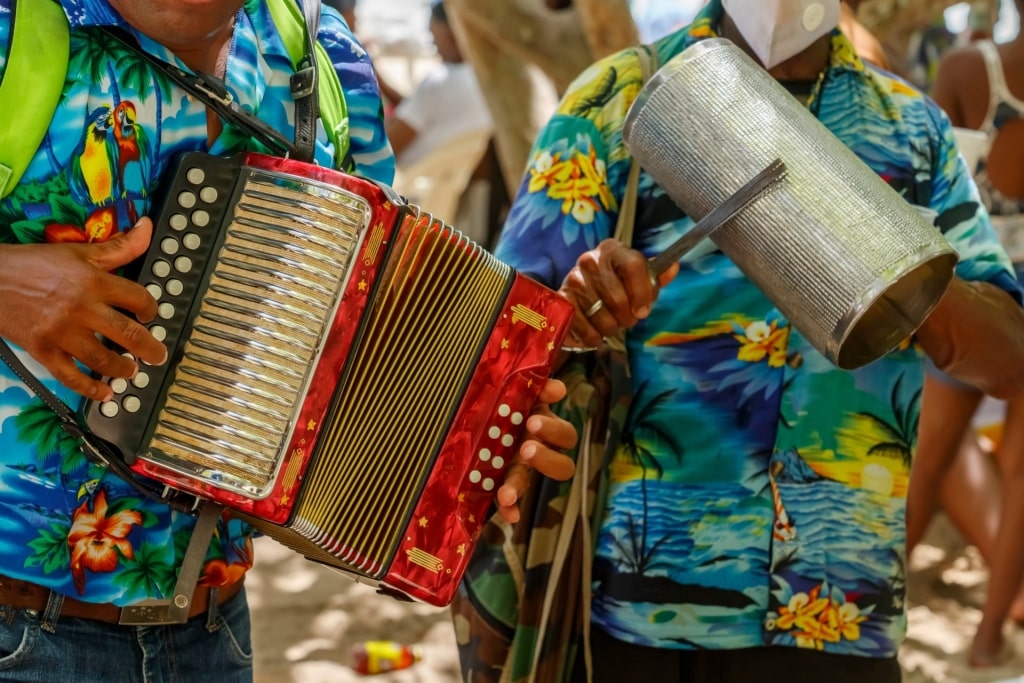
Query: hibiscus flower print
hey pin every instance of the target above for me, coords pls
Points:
(97, 540)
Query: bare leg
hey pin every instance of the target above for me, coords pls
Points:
(946, 413)
(1006, 561)
(971, 495)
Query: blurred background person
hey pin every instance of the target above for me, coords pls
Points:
(981, 87)
(447, 103)
(927, 47)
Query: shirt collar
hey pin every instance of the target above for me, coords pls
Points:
(842, 56)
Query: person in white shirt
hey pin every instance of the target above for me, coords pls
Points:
(446, 104)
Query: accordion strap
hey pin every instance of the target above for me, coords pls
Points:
(215, 94)
(96, 449)
(304, 84)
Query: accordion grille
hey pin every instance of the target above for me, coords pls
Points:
(429, 321)
(273, 288)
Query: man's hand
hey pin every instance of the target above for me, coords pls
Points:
(55, 299)
(540, 450)
(618, 277)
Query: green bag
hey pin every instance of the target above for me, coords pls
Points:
(37, 64)
(522, 612)
(34, 78)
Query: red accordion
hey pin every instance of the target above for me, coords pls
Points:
(347, 373)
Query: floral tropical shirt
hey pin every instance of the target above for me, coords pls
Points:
(65, 523)
(757, 494)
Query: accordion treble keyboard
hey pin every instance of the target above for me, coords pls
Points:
(258, 290)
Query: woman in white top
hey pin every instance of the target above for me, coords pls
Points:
(981, 87)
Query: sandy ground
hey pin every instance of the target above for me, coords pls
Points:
(306, 620)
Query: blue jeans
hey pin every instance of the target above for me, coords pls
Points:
(37, 648)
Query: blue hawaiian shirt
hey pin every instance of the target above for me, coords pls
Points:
(65, 523)
(757, 495)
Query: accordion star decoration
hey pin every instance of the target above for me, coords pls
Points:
(423, 522)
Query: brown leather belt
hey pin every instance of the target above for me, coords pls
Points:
(25, 595)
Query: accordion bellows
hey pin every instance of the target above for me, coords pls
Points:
(346, 372)
(854, 267)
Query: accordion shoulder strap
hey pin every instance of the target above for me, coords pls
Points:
(95, 449)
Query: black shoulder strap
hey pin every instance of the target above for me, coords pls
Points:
(304, 86)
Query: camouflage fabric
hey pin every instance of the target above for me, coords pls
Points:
(499, 612)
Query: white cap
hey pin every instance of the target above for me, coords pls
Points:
(779, 29)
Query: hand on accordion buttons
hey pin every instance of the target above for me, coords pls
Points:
(60, 298)
(612, 288)
(541, 449)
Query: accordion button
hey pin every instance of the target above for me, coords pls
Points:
(504, 410)
(161, 268)
(177, 222)
(209, 194)
(183, 264)
(517, 418)
(488, 484)
(174, 287)
(195, 175)
(475, 476)
(186, 200)
(141, 380)
(200, 218)
(159, 332)
(165, 311)
(155, 290)
(119, 385)
(498, 462)
(110, 409)
(485, 454)
(132, 404)
(169, 245)
(192, 241)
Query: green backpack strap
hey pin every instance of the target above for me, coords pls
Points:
(37, 63)
(289, 20)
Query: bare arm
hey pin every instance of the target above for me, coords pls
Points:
(976, 334)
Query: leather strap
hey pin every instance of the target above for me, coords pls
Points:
(177, 609)
(94, 448)
(215, 94)
(304, 83)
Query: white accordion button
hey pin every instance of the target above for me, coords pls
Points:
(485, 454)
(475, 476)
(517, 418)
(195, 175)
(186, 200)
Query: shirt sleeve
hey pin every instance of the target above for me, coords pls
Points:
(568, 201)
(961, 214)
(369, 145)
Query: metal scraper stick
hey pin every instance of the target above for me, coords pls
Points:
(718, 216)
